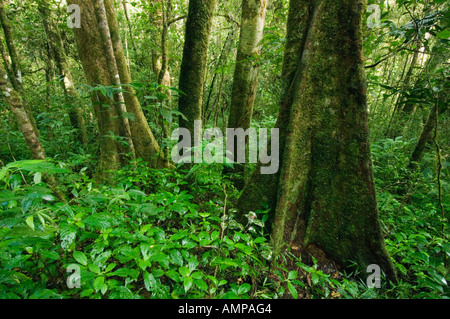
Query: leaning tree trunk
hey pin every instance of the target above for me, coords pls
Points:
(246, 72)
(7, 30)
(193, 65)
(72, 98)
(439, 107)
(25, 125)
(89, 43)
(145, 144)
(326, 202)
(23, 121)
(114, 77)
(16, 71)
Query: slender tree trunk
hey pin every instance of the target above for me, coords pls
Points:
(145, 144)
(439, 107)
(246, 72)
(326, 203)
(23, 121)
(113, 71)
(7, 30)
(57, 47)
(16, 79)
(247, 63)
(223, 59)
(193, 65)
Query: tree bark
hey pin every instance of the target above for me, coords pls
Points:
(16, 79)
(145, 144)
(95, 67)
(7, 30)
(193, 65)
(57, 47)
(246, 72)
(23, 121)
(326, 203)
(114, 77)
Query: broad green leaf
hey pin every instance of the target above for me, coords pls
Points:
(184, 271)
(188, 281)
(98, 283)
(149, 281)
(80, 257)
(244, 288)
(292, 290)
(30, 221)
(292, 275)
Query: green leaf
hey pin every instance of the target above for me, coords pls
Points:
(292, 275)
(30, 222)
(184, 271)
(188, 281)
(244, 288)
(292, 290)
(80, 257)
(314, 278)
(201, 284)
(37, 178)
(149, 281)
(98, 283)
(95, 269)
(110, 267)
(445, 34)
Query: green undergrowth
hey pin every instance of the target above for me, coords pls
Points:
(167, 234)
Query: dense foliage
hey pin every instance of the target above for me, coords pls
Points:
(172, 233)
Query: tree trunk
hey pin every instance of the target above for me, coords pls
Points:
(246, 72)
(57, 47)
(326, 202)
(16, 79)
(114, 77)
(95, 67)
(7, 30)
(439, 107)
(193, 65)
(144, 141)
(23, 121)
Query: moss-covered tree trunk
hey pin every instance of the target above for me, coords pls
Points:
(326, 202)
(15, 65)
(114, 77)
(23, 121)
(246, 71)
(145, 144)
(58, 53)
(195, 56)
(15, 71)
(89, 43)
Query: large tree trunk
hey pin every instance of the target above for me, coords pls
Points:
(326, 202)
(246, 71)
(95, 67)
(193, 65)
(95, 63)
(57, 47)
